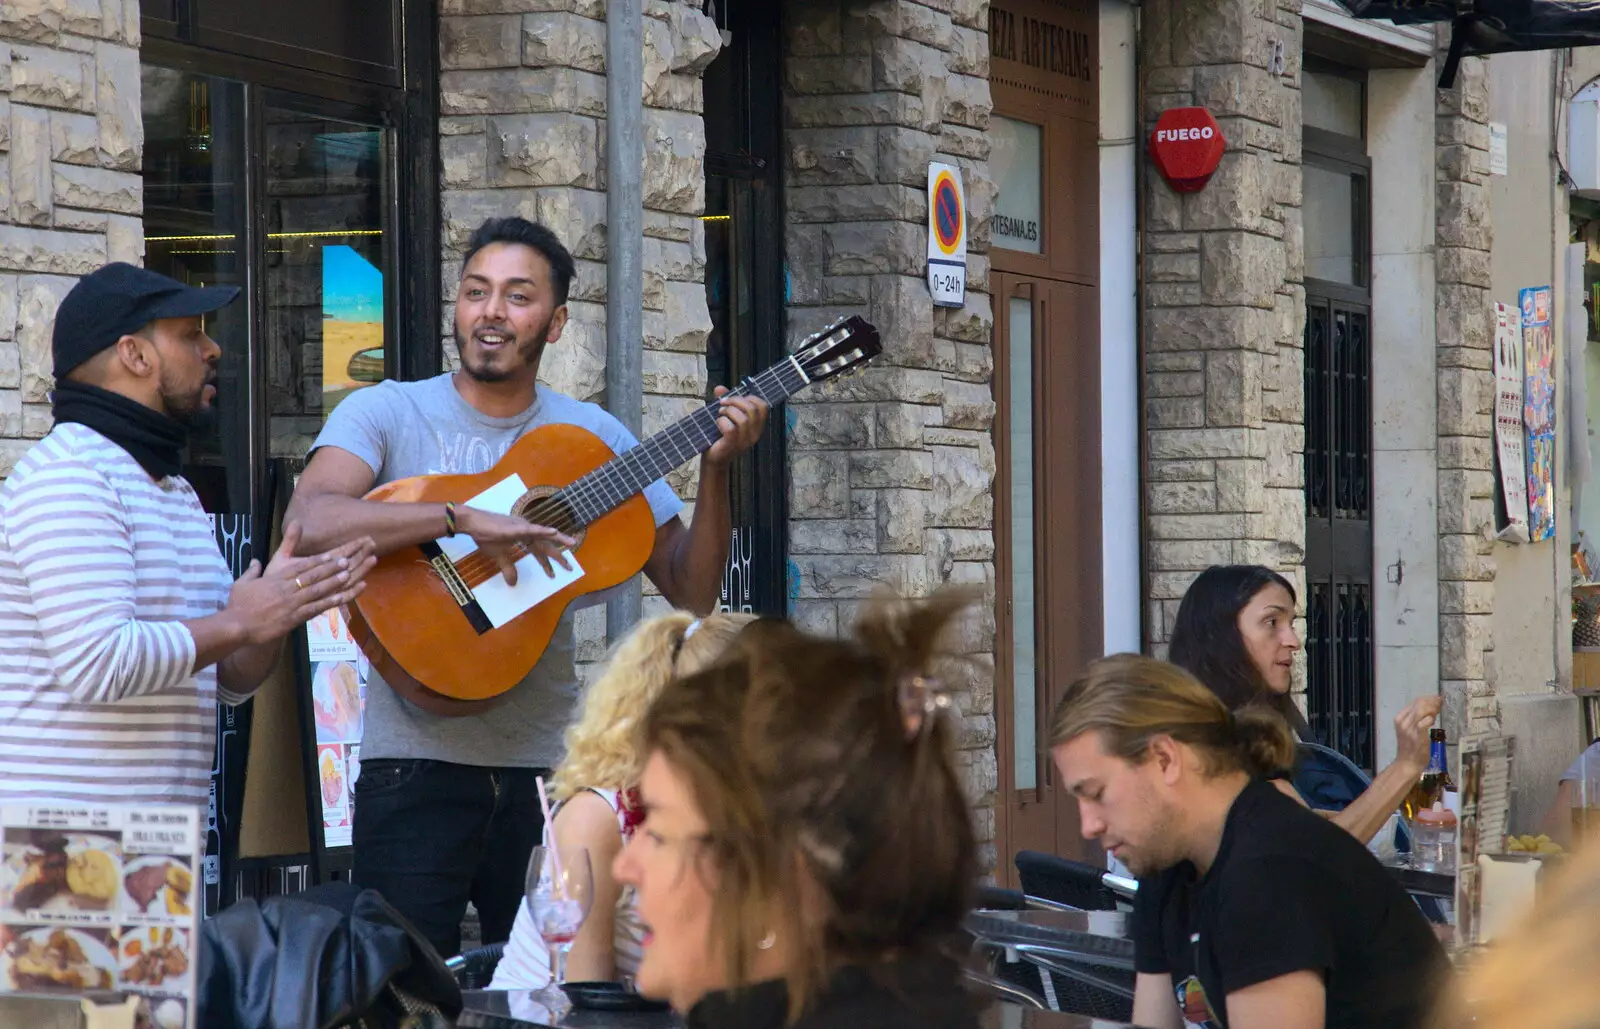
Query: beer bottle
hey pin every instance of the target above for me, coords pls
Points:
(1437, 761)
(1434, 781)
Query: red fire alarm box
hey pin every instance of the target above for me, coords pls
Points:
(1187, 146)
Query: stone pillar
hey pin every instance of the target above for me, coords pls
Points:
(892, 471)
(522, 109)
(71, 197)
(1224, 306)
(1464, 234)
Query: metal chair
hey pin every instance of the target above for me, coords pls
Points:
(995, 986)
(998, 898)
(1080, 986)
(1066, 882)
(1329, 781)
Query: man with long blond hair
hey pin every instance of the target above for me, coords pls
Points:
(1252, 911)
(594, 790)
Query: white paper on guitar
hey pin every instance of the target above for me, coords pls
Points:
(502, 603)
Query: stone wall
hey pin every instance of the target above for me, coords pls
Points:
(891, 471)
(1464, 234)
(522, 131)
(71, 197)
(1224, 306)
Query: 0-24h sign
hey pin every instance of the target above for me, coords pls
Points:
(947, 236)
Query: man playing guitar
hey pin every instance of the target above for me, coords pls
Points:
(446, 807)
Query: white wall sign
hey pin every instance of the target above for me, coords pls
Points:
(1498, 151)
(1016, 162)
(947, 236)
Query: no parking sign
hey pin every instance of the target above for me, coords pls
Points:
(947, 236)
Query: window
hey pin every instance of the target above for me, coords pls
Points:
(1022, 589)
(194, 219)
(1338, 414)
(1016, 160)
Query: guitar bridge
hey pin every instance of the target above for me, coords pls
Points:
(448, 574)
(446, 570)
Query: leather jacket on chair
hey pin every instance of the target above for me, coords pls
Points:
(333, 957)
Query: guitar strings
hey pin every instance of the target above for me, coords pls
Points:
(559, 509)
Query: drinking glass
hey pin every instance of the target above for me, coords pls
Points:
(559, 899)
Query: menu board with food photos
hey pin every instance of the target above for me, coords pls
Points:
(101, 897)
(338, 699)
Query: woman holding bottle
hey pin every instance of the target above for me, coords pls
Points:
(1235, 633)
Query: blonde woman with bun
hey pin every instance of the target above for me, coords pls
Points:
(594, 792)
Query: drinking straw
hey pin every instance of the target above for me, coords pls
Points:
(555, 851)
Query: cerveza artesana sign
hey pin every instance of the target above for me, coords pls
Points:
(1039, 44)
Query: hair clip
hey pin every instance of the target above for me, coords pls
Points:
(921, 698)
(677, 648)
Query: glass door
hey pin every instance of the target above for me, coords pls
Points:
(326, 300)
(289, 197)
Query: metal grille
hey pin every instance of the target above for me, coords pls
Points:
(1339, 648)
(1338, 490)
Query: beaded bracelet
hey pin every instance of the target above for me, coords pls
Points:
(450, 518)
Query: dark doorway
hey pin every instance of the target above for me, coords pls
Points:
(745, 282)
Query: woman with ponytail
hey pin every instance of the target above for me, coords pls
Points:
(595, 793)
(807, 847)
(1252, 911)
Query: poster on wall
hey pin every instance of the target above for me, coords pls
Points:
(102, 897)
(339, 674)
(1539, 410)
(352, 324)
(1508, 434)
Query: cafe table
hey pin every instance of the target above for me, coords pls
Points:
(534, 1009)
(490, 1009)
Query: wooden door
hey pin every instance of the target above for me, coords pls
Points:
(1044, 253)
(1047, 562)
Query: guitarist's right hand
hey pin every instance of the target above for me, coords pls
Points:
(500, 537)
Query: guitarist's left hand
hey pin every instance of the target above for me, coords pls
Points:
(740, 422)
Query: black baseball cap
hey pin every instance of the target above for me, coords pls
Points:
(120, 298)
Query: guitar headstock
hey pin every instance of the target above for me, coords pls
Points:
(842, 347)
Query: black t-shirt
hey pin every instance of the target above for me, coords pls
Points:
(1289, 892)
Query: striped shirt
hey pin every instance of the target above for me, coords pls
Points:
(99, 563)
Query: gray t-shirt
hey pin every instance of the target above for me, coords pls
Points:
(402, 429)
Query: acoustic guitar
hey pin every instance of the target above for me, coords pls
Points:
(438, 621)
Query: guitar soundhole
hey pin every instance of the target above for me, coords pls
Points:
(537, 506)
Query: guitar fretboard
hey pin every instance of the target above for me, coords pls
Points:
(608, 486)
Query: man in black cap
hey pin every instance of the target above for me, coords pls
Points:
(120, 626)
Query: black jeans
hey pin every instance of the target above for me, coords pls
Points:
(430, 836)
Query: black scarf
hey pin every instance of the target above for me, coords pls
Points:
(150, 437)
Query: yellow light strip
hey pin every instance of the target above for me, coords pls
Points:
(270, 235)
(716, 217)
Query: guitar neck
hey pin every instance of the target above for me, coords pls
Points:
(605, 488)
